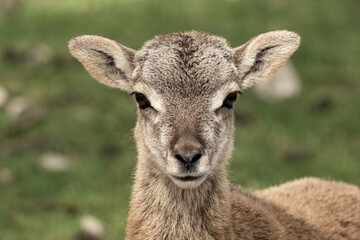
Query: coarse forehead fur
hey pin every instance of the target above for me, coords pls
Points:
(185, 64)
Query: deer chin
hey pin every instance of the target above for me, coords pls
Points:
(191, 177)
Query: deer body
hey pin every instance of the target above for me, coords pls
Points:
(185, 85)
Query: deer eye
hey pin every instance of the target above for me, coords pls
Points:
(142, 101)
(230, 100)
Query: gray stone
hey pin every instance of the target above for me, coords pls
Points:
(6, 176)
(54, 162)
(91, 228)
(16, 106)
(284, 84)
(3, 96)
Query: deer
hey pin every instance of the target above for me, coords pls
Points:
(185, 86)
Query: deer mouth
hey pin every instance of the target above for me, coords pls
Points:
(188, 181)
(189, 178)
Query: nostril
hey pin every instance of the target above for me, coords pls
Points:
(180, 158)
(186, 159)
(196, 157)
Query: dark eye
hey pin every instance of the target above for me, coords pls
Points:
(142, 101)
(230, 100)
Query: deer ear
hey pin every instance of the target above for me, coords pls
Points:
(258, 59)
(106, 60)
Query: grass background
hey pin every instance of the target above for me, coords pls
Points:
(317, 133)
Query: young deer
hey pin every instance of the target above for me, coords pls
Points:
(185, 85)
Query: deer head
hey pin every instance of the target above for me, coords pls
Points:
(185, 85)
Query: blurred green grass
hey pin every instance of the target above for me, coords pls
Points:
(92, 124)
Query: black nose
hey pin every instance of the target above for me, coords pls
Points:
(188, 159)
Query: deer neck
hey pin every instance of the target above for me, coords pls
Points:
(161, 210)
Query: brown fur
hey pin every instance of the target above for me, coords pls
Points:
(186, 77)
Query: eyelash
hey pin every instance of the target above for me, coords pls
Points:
(142, 101)
(230, 100)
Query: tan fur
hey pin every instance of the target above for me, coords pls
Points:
(187, 79)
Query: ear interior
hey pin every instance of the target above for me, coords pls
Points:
(106, 60)
(262, 56)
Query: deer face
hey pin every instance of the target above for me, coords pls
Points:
(185, 86)
(185, 92)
